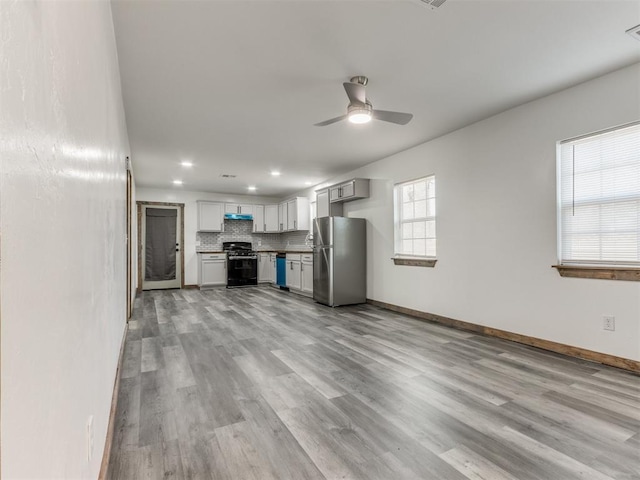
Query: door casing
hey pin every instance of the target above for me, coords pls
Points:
(140, 239)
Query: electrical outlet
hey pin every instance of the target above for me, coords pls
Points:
(609, 322)
(89, 438)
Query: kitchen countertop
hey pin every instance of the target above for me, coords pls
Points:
(261, 251)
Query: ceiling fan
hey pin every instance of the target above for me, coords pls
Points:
(360, 109)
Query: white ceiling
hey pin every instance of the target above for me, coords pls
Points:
(236, 86)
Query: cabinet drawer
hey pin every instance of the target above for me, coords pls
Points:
(295, 257)
(213, 256)
(307, 258)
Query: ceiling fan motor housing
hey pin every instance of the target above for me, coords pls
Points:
(352, 109)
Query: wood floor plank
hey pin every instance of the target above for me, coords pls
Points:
(257, 383)
(474, 466)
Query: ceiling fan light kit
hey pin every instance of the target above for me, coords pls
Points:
(360, 110)
(359, 113)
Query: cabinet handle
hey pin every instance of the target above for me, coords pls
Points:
(264, 227)
(291, 263)
(222, 227)
(294, 225)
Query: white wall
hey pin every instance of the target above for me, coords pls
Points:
(189, 198)
(496, 223)
(63, 141)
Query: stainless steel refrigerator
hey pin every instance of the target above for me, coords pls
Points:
(339, 261)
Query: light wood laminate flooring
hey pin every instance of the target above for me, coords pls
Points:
(261, 384)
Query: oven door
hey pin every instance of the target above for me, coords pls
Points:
(242, 271)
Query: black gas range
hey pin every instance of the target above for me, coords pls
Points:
(242, 264)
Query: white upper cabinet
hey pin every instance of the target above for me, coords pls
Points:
(244, 209)
(324, 208)
(258, 219)
(210, 216)
(282, 217)
(271, 223)
(351, 190)
(297, 214)
(292, 215)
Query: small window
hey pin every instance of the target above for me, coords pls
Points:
(599, 198)
(415, 218)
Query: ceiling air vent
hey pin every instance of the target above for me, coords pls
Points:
(433, 3)
(635, 32)
(228, 175)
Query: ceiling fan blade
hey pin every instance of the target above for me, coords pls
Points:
(355, 92)
(392, 117)
(330, 121)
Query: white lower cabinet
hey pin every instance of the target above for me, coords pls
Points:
(306, 274)
(212, 269)
(265, 268)
(293, 271)
(300, 273)
(273, 270)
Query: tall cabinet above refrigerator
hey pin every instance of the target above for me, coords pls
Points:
(339, 261)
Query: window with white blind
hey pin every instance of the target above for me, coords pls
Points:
(415, 218)
(599, 198)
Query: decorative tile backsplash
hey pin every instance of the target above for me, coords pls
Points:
(241, 231)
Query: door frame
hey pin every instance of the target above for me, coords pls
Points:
(129, 206)
(140, 239)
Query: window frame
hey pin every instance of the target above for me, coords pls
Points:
(603, 268)
(398, 221)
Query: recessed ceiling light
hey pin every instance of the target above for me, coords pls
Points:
(186, 163)
(251, 188)
(275, 173)
(177, 182)
(307, 183)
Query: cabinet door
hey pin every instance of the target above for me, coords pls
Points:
(246, 209)
(282, 217)
(272, 270)
(258, 219)
(347, 190)
(213, 272)
(303, 213)
(293, 274)
(263, 267)
(210, 217)
(271, 218)
(292, 215)
(231, 208)
(334, 194)
(306, 278)
(322, 204)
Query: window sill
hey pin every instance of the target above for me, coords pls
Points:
(601, 273)
(414, 262)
